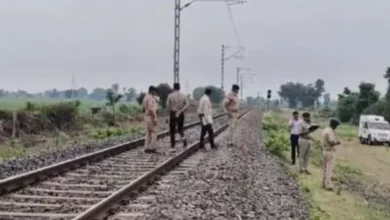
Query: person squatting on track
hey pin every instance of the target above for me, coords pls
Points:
(295, 130)
(329, 153)
(304, 143)
(150, 105)
(206, 117)
(177, 103)
(231, 105)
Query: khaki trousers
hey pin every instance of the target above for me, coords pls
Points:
(150, 133)
(232, 121)
(329, 163)
(304, 153)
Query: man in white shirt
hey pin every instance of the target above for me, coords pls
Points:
(295, 130)
(205, 112)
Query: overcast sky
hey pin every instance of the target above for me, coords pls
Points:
(131, 42)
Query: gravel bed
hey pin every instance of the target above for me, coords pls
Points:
(103, 173)
(241, 182)
(29, 162)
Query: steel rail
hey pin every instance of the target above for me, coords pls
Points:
(97, 211)
(21, 180)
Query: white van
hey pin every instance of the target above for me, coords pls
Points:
(373, 129)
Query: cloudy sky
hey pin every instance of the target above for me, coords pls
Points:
(131, 42)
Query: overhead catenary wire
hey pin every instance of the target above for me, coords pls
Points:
(234, 25)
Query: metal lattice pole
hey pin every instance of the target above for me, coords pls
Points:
(222, 66)
(176, 50)
(238, 76)
(241, 88)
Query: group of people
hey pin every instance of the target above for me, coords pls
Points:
(177, 104)
(301, 139)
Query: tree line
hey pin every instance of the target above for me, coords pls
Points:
(126, 94)
(99, 93)
(300, 95)
(350, 103)
(367, 100)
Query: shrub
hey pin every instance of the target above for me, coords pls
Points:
(129, 109)
(62, 115)
(277, 140)
(277, 143)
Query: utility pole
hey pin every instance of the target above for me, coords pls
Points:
(176, 49)
(244, 76)
(238, 73)
(222, 66)
(177, 23)
(73, 87)
(225, 58)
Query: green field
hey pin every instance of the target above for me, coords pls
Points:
(7, 103)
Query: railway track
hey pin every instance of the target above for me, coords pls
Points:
(87, 186)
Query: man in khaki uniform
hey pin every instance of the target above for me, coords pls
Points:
(329, 153)
(150, 105)
(304, 143)
(177, 103)
(231, 106)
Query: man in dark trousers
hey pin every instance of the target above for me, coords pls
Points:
(177, 103)
(295, 130)
(205, 112)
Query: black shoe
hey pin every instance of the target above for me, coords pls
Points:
(185, 143)
(293, 163)
(150, 150)
(214, 147)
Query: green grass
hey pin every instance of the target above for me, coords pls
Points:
(347, 131)
(324, 205)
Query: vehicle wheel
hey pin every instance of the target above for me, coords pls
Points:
(361, 140)
(369, 141)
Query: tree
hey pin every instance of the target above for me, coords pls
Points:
(164, 89)
(308, 96)
(295, 93)
(351, 104)
(82, 93)
(140, 97)
(53, 93)
(98, 94)
(346, 107)
(319, 89)
(250, 100)
(68, 94)
(327, 100)
(2, 93)
(197, 93)
(217, 94)
(115, 87)
(290, 92)
(112, 99)
(131, 94)
(367, 96)
(346, 91)
(378, 108)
